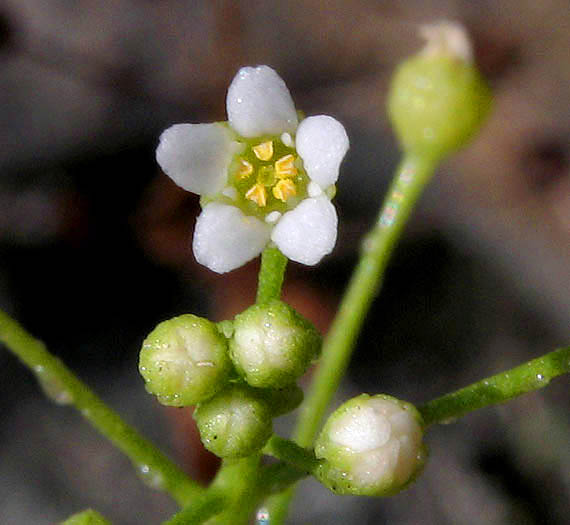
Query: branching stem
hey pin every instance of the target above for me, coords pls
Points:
(411, 177)
(288, 451)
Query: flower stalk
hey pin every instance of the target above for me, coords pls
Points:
(205, 506)
(288, 451)
(412, 175)
(144, 454)
(271, 274)
(240, 477)
(238, 480)
(499, 388)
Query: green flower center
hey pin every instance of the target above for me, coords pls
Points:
(267, 176)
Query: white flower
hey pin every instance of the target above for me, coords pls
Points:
(256, 187)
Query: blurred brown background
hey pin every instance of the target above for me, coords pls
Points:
(95, 241)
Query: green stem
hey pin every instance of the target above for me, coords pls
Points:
(499, 388)
(239, 477)
(298, 462)
(412, 175)
(238, 480)
(288, 451)
(274, 479)
(205, 506)
(55, 376)
(271, 274)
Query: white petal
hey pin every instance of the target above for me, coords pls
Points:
(287, 140)
(259, 103)
(361, 429)
(225, 238)
(322, 143)
(314, 190)
(273, 217)
(307, 233)
(196, 156)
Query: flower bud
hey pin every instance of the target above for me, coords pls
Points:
(235, 423)
(372, 446)
(184, 361)
(283, 400)
(272, 345)
(437, 99)
(87, 517)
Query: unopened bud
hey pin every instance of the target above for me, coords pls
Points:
(283, 400)
(437, 99)
(184, 361)
(235, 423)
(272, 345)
(372, 446)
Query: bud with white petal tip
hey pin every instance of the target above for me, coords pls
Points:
(372, 446)
(235, 423)
(437, 99)
(272, 345)
(184, 361)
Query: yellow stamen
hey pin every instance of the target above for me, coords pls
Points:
(284, 189)
(264, 151)
(245, 169)
(285, 167)
(257, 194)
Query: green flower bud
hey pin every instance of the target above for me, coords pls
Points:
(184, 361)
(438, 100)
(372, 446)
(272, 345)
(283, 400)
(235, 423)
(87, 517)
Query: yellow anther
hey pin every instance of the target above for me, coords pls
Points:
(245, 169)
(257, 194)
(285, 167)
(284, 189)
(264, 151)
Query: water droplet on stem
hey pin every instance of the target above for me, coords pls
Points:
(150, 477)
(52, 387)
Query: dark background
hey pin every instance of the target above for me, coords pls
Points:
(95, 241)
